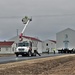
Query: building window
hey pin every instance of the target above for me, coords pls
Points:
(66, 36)
(46, 44)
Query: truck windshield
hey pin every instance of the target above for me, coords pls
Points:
(23, 44)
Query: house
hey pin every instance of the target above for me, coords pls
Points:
(7, 47)
(36, 41)
(65, 39)
(49, 46)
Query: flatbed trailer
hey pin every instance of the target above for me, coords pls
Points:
(66, 51)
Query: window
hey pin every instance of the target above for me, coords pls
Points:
(23, 44)
(46, 44)
(66, 36)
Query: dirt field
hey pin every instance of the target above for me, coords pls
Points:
(59, 65)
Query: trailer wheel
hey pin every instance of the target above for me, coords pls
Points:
(29, 53)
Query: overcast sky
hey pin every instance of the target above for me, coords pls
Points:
(49, 17)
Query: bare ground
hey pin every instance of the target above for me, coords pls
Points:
(59, 65)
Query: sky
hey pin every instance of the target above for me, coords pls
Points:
(48, 17)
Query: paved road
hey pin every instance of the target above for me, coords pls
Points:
(20, 58)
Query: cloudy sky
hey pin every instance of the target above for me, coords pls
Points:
(49, 17)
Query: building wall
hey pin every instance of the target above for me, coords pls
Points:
(7, 49)
(39, 47)
(4, 50)
(61, 37)
(48, 45)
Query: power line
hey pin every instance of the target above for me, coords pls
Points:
(60, 15)
(8, 17)
(16, 17)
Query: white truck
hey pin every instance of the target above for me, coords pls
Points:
(25, 48)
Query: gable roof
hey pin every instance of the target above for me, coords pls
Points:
(66, 30)
(53, 41)
(32, 38)
(6, 43)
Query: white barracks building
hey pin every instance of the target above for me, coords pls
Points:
(7, 47)
(49, 45)
(65, 39)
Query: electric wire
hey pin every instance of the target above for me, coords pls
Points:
(37, 16)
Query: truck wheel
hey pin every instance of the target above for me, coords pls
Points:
(34, 54)
(16, 55)
(29, 53)
(23, 55)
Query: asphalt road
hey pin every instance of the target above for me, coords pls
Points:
(20, 58)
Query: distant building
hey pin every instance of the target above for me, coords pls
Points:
(49, 46)
(42, 46)
(65, 39)
(28, 38)
(7, 47)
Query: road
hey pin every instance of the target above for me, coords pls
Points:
(20, 58)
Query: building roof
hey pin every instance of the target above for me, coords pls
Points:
(66, 30)
(6, 43)
(53, 41)
(32, 38)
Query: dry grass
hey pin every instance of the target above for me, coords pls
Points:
(59, 65)
(4, 55)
